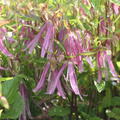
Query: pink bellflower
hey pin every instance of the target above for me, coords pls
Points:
(47, 28)
(26, 111)
(3, 49)
(104, 60)
(116, 8)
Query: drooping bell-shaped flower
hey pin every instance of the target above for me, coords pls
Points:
(111, 66)
(73, 79)
(26, 111)
(56, 79)
(102, 26)
(86, 44)
(48, 38)
(31, 45)
(52, 83)
(62, 34)
(81, 9)
(73, 49)
(60, 90)
(75, 45)
(53, 80)
(100, 63)
(40, 83)
(47, 28)
(104, 60)
(3, 49)
(2, 68)
(109, 59)
(115, 8)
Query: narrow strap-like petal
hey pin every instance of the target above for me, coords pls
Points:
(111, 66)
(4, 50)
(58, 77)
(73, 79)
(2, 68)
(48, 37)
(52, 83)
(60, 90)
(100, 65)
(33, 43)
(89, 60)
(99, 76)
(42, 79)
(115, 8)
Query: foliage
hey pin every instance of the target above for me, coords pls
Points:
(82, 69)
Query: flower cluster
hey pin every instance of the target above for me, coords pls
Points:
(76, 49)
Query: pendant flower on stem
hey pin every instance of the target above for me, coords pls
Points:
(26, 112)
(47, 28)
(3, 49)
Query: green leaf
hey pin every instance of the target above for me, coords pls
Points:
(100, 86)
(115, 101)
(94, 118)
(0, 89)
(1, 110)
(5, 78)
(114, 113)
(96, 3)
(89, 116)
(59, 111)
(16, 108)
(107, 100)
(9, 88)
(118, 64)
(41, 1)
(60, 45)
(4, 102)
(10, 91)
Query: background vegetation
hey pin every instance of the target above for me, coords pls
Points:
(98, 23)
